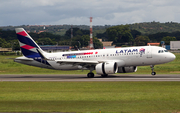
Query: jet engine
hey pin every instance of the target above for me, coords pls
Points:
(127, 69)
(106, 68)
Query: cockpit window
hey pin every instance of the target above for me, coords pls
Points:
(162, 51)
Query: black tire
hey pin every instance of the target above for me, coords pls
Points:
(153, 73)
(90, 75)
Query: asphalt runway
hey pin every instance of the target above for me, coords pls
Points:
(120, 77)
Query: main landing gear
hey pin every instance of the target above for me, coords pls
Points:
(152, 68)
(90, 75)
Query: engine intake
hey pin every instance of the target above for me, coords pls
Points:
(106, 68)
(127, 69)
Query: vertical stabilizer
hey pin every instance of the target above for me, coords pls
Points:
(28, 45)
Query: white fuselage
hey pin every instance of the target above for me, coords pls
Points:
(129, 56)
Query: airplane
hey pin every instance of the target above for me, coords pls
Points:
(103, 61)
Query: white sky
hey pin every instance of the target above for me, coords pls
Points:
(77, 12)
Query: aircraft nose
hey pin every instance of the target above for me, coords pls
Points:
(171, 57)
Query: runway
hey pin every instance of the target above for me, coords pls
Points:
(66, 78)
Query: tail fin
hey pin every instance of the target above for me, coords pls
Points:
(28, 45)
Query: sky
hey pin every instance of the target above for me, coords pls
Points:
(77, 12)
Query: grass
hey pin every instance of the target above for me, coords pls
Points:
(89, 97)
(8, 66)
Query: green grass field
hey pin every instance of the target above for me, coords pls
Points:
(89, 97)
(8, 66)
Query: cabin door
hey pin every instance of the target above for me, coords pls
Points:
(149, 52)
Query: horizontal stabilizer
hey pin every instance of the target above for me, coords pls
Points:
(23, 58)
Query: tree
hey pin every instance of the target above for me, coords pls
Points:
(97, 44)
(45, 41)
(135, 33)
(2, 41)
(14, 44)
(141, 40)
(4, 44)
(76, 31)
(102, 36)
(158, 36)
(167, 39)
(83, 41)
(119, 34)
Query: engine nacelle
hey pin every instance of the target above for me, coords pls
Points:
(127, 69)
(106, 68)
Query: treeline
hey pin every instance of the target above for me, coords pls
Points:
(146, 28)
(155, 27)
(122, 35)
(56, 29)
(80, 39)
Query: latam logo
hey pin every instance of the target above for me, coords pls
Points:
(126, 50)
(142, 51)
(130, 50)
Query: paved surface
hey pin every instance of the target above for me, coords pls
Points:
(123, 77)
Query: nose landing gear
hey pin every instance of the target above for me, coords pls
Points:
(152, 68)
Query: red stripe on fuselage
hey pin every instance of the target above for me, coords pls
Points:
(88, 53)
(27, 47)
(23, 33)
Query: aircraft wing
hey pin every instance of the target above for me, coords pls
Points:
(78, 62)
(88, 62)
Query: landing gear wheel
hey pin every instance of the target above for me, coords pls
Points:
(153, 73)
(152, 68)
(104, 75)
(90, 75)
